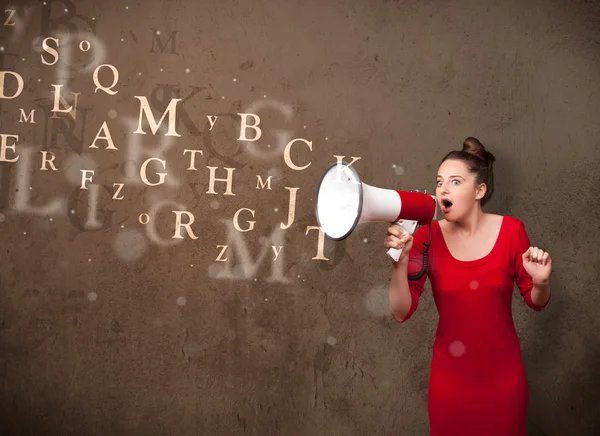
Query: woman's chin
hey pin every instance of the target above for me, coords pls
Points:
(450, 216)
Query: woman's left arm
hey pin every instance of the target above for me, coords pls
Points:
(540, 294)
(532, 271)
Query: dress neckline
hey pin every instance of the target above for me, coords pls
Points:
(474, 261)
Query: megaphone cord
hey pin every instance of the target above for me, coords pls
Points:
(425, 260)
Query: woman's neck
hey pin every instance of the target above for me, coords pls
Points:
(470, 225)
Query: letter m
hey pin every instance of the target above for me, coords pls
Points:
(260, 184)
(248, 265)
(156, 40)
(27, 118)
(154, 125)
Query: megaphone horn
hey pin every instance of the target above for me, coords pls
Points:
(343, 202)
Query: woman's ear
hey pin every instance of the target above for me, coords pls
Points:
(480, 191)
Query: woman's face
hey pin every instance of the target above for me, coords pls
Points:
(456, 191)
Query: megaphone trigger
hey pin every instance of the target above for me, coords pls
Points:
(408, 227)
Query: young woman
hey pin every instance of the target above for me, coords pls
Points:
(477, 382)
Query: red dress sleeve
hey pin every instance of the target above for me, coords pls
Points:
(415, 262)
(522, 277)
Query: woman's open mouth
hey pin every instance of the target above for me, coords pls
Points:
(446, 206)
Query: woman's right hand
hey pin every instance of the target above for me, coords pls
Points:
(397, 237)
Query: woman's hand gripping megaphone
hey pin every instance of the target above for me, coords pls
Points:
(399, 239)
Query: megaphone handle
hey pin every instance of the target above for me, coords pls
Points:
(409, 227)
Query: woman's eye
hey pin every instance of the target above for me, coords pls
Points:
(438, 183)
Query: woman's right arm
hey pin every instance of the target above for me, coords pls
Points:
(399, 294)
(404, 294)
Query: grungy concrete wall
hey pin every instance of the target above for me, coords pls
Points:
(111, 326)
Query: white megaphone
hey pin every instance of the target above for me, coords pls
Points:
(343, 202)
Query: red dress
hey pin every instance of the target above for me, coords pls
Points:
(477, 382)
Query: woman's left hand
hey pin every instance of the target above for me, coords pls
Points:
(538, 264)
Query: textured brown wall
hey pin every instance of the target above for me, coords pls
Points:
(124, 330)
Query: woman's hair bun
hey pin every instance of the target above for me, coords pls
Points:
(473, 146)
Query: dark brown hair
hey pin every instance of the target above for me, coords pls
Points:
(479, 161)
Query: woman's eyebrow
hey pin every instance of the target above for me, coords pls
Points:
(456, 175)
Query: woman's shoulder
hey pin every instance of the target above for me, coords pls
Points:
(515, 234)
(509, 220)
(512, 229)
(423, 232)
